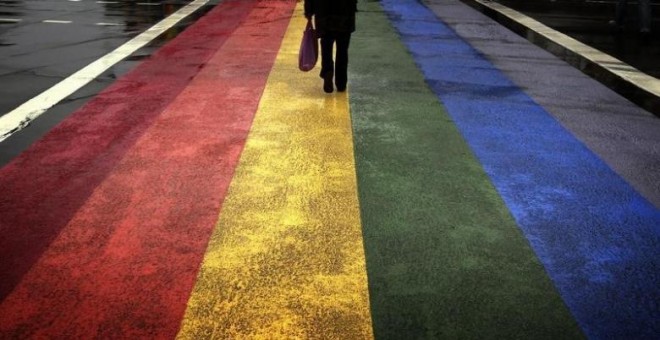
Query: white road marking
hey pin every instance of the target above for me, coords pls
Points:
(642, 80)
(9, 20)
(22, 116)
(108, 24)
(57, 21)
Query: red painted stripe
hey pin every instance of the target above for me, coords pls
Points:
(43, 187)
(125, 264)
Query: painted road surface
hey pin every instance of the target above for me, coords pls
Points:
(216, 192)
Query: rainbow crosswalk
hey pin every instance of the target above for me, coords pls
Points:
(217, 192)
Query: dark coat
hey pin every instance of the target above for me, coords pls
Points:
(332, 15)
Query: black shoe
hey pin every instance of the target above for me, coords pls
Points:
(341, 88)
(327, 84)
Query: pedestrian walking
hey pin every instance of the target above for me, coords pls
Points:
(644, 7)
(334, 21)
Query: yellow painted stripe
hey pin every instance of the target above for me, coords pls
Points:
(286, 259)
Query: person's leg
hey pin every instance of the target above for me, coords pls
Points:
(341, 65)
(644, 15)
(327, 64)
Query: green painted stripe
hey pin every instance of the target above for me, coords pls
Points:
(444, 256)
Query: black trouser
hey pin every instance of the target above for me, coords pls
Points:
(339, 67)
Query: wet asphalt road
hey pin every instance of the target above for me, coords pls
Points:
(43, 42)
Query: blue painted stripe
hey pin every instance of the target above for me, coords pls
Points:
(596, 236)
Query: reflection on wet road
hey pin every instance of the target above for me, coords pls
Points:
(53, 39)
(44, 42)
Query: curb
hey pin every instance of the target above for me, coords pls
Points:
(636, 86)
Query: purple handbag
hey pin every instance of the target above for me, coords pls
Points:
(309, 49)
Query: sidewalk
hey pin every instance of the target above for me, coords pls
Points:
(467, 183)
